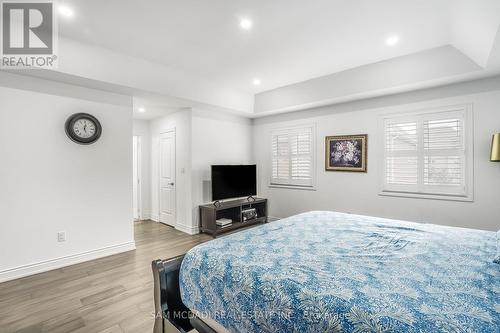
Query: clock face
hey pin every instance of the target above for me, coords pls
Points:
(83, 128)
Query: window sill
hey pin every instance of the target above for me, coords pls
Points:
(294, 187)
(427, 196)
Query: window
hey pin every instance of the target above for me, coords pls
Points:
(429, 154)
(293, 157)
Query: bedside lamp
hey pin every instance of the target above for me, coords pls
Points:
(495, 148)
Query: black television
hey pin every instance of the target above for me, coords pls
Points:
(233, 181)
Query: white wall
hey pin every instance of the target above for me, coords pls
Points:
(51, 184)
(217, 139)
(139, 74)
(181, 122)
(358, 192)
(203, 138)
(141, 129)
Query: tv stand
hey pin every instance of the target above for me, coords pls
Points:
(209, 213)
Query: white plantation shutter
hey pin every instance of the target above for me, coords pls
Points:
(281, 157)
(401, 163)
(444, 154)
(292, 157)
(428, 153)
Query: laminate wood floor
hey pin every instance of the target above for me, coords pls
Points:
(108, 295)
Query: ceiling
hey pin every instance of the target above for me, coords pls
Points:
(171, 55)
(291, 40)
(149, 106)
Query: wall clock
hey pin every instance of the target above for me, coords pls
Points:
(83, 128)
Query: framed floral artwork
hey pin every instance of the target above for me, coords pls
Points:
(346, 153)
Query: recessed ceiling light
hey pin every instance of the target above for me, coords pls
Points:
(246, 24)
(66, 11)
(256, 82)
(392, 40)
(141, 110)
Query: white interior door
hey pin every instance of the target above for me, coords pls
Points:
(136, 177)
(167, 178)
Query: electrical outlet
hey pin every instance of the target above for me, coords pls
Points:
(61, 236)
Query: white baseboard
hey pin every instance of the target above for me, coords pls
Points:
(187, 230)
(145, 216)
(48, 265)
(155, 217)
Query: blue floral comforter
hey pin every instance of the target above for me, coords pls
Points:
(334, 272)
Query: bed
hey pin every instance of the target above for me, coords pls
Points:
(335, 272)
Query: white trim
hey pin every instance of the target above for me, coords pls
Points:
(427, 196)
(44, 266)
(186, 229)
(145, 216)
(155, 217)
(294, 187)
(139, 176)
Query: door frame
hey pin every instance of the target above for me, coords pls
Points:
(138, 163)
(170, 130)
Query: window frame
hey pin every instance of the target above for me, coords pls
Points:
(287, 130)
(421, 190)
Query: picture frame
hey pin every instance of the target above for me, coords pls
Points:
(346, 153)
